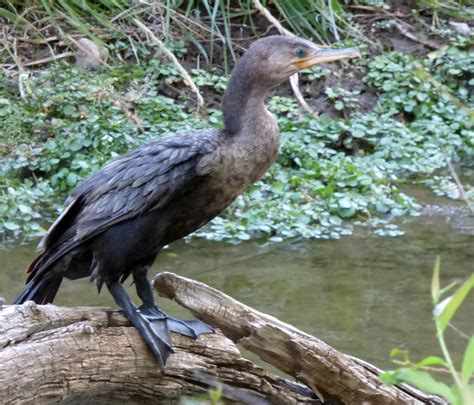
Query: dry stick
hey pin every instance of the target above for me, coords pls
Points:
(379, 10)
(406, 33)
(16, 59)
(282, 30)
(170, 55)
(47, 40)
(455, 177)
(49, 59)
(304, 357)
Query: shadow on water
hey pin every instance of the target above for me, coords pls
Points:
(362, 294)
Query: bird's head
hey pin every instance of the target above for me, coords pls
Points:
(275, 58)
(267, 63)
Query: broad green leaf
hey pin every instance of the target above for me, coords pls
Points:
(12, 226)
(432, 361)
(71, 179)
(435, 282)
(454, 302)
(468, 362)
(8, 15)
(425, 382)
(389, 377)
(25, 209)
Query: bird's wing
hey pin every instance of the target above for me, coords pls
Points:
(140, 181)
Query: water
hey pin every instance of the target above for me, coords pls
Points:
(362, 294)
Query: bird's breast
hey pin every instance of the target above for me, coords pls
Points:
(223, 175)
(243, 160)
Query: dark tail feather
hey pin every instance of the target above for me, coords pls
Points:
(41, 291)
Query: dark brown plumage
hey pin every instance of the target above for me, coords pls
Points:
(116, 221)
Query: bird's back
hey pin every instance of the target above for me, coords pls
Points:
(118, 219)
(144, 183)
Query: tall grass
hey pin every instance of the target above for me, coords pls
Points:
(213, 26)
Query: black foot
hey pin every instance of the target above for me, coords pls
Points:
(155, 332)
(187, 328)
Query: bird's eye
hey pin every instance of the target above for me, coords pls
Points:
(300, 52)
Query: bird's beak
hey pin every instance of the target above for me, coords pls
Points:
(325, 55)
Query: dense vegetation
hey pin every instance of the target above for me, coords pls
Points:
(385, 119)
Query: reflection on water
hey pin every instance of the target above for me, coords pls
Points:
(364, 295)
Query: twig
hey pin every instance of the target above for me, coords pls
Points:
(294, 81)
(172, 57)
(16, 59)
(131, 117)
(455, 177)
(460, 333)
(406, 33)
(282, 30)
(379, 10)
(42, 41)
(49, 59)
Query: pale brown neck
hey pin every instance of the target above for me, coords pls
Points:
(244, 99)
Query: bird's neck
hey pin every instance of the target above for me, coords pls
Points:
(244, 100)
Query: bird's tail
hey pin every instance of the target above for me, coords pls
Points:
(40, 290)
(41, 287)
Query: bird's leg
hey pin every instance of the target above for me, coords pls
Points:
(155, 333)
(151, 311)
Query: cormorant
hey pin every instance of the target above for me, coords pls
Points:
(116, 221)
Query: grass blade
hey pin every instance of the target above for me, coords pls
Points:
(454, 302)
(467, 369)
(435, 282)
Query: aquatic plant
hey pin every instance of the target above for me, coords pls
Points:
(335, 171)
(422, 374)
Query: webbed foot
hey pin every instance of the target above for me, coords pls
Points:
(192, 329)
(155, 332)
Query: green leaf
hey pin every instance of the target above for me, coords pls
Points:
(8, 15)
(71, 179)
(454, 302)
(25, 209)
(425, 382)
(69, 110)
(12, 226)
(335, 220)
(345, 202)
(435, 282)
(468, 362)
(432, 361)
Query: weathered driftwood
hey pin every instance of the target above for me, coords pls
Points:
(309, 360)
(50, 354)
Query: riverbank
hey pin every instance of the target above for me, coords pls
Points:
(380, 123)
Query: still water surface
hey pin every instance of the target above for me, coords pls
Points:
(362, 294)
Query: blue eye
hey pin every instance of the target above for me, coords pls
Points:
(300, 53)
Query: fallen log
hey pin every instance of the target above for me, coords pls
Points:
(55, 354)
(330, 373)
(52, 354)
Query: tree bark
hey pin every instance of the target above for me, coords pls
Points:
(52, 354)
(327, 371)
